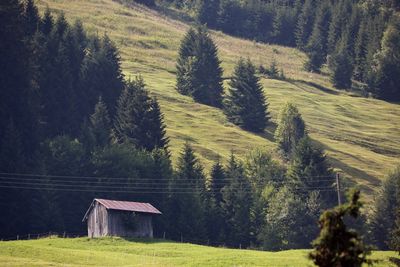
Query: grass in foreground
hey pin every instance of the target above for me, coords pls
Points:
(121, 252)
(360, 135)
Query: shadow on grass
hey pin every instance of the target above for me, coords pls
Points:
(394, 260)
(324, 89)
(269, 132)
(369, 179)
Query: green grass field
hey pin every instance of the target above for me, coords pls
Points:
(360, 135)
(121, 252)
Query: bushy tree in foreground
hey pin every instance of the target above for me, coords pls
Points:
(245, 105)
(336, 245)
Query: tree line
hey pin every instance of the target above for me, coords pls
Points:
(76, 128)
(356, 39)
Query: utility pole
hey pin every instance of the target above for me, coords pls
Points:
(338, 189)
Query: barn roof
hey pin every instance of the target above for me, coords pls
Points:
(124, 205)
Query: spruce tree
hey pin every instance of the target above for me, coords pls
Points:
(337, 245)
(316, 48)
(245, 105)
(291, 128)
(207, 12)
(236, 206)
(217, 181)
(186, 209)
(341, 66)
(139, 120)
(198, 68)
(305, 24)
(385, 206)
(31, 18)
(101, 124)
(47, 22)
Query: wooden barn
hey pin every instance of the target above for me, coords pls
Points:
(120, 218)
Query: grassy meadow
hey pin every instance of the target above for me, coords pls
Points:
(361, 135)
(121, 252)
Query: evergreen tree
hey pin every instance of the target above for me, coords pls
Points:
(245, 105)
(207, 12)
(101, 124)
(198, 68)
(305, 24)
(139, 120)
(316, 48)
(217, 182)
(387, 64)
(47, 22)
(309, 169)
(186, 210)
(360, 51)
(382, 221)
(336, 245)
(341, 66)
(237, 196)
(31, 18)
(291, 128)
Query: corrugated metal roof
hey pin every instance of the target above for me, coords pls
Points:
(128, 206)
(123, 205)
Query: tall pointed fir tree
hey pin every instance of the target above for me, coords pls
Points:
(237, 203)
(199, 73)
(100, 124)
(305, 24)
(316, 48)
(31, 18)
(139, 120)
(186, 209)
(246, 105)
(341, 65)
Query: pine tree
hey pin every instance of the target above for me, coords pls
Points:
(139, 120)
(101, 124)
(291, 128)
(336, 245)
(217, 182)
(31, 18)
(305, 24)
(316, 48)
(387, 64)
(47, 22)
(310, 169)
(237, 203)
(383, 219)
(245, 105)
(341, 66)
(207, 12)
(186, 211)
(198, 68)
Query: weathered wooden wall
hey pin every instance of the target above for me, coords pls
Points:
(116, 226)
(102, 222)
(98, 221)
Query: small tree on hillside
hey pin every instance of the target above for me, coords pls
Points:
(245, 105)
(291, 128)
(341, 66)
(199, 73)
(336, 245)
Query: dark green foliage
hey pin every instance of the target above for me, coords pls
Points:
(316, 48)
(139, 120)
(341, 66)
(337, 245)
(245, 105)
(387, 64)
(291, 128)
(31, 18)
(290, 220)
(310, 169)
(385, 207)
(305, 24)
(217, 182)
(100, 123)
(207, 12)
(198, 68)
(236, 206)
(186, 209)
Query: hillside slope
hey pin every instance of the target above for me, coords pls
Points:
(121, 252)
(360, 135)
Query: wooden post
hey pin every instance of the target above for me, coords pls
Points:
(164, 235)
(181, 238)
(64, 234)
(240, 246)
(338, 189)
(29, 236)
(17, 237)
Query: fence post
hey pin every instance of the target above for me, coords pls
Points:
(29, 236)
(17, 237)
(64, 234)
(240, 246)
(164, 235)
(181, 238)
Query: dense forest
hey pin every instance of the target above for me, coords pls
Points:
(358, 40)
(74, 128)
